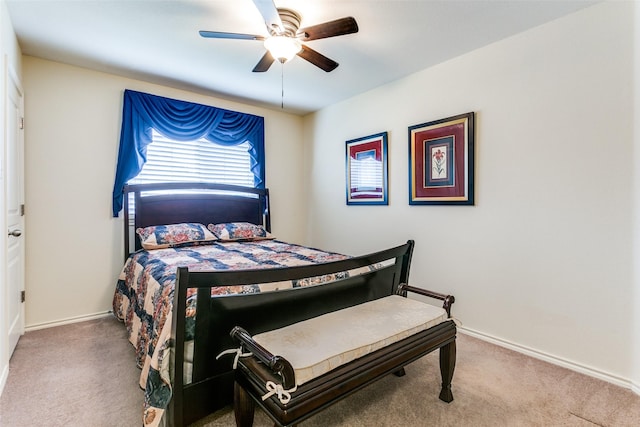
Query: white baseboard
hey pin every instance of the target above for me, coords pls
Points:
(586, 370)
(67, 321)
(3, 378)
(577, 367)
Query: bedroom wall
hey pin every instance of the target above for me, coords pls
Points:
(543, 261)
(74, 247)
(9, 56)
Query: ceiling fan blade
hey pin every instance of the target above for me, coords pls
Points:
(317, 59)
(222, 35)
(338, 27)
(271, 16)
(264, 63)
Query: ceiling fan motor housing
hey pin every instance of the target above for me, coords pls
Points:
(290, 21)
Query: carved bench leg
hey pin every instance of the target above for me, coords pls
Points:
(447, 366)
(399, 373)
(243, 406)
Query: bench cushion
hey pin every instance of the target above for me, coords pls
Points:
(321, 344)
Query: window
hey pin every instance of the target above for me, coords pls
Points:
(182, 120)
(200, 160)
(190, 161)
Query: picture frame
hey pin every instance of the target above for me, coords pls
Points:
(441, 161)
(366, 170)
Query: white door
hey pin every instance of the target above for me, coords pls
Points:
(14, 192)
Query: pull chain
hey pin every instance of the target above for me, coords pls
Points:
(282, 85)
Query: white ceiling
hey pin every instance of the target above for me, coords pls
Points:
(158, 41)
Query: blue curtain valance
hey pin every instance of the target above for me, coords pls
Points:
(183, 121)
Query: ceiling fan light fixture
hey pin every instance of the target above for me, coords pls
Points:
(283, 48)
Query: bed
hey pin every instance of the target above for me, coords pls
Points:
(178, 334)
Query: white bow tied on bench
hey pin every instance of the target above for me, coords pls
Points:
(284, 396)
(272, 388)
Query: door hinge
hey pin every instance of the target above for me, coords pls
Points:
(22, 209)
(21, 123)
(22, 296)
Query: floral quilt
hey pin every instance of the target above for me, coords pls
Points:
(144, 296)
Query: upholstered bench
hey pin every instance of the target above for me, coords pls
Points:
(295, 371)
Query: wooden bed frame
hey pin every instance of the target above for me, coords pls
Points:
(212, 382)
(173, 203)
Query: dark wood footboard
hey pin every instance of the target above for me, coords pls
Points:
(212, 381)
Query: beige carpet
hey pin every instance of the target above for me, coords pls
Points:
(84, 375)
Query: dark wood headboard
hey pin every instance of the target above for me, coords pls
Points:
(173, 203)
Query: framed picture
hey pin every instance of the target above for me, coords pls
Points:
(441, 157)
(367, 170)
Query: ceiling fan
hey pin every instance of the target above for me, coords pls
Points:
(285, 36)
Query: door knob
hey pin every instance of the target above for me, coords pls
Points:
(15, 233)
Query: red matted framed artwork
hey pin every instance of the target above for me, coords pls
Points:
(441, 161)
(366, 168)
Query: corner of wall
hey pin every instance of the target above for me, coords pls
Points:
(307, 163)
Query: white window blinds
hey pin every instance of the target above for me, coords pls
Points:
(191, 161)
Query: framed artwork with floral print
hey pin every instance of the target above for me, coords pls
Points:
(366, 164)
(441, 160)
